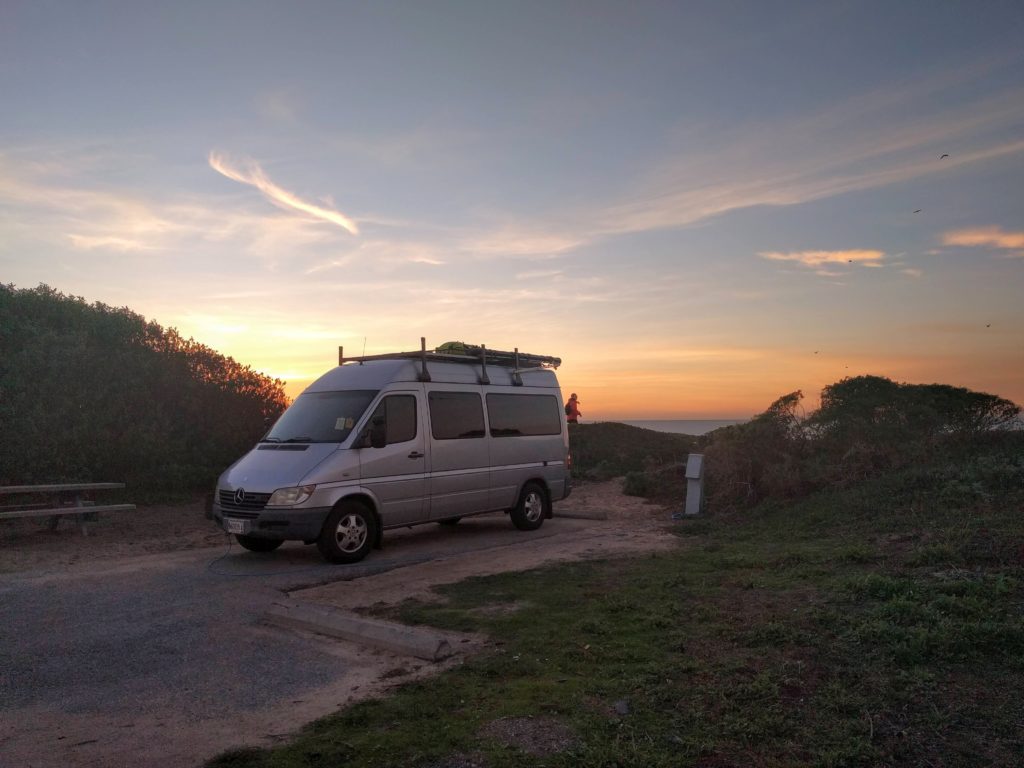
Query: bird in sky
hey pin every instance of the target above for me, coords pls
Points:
(988, 325)
(943, 157)
(815, 351)
(918, 210)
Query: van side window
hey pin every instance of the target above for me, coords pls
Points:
(520, 415)
(455, 415)
(399, 413)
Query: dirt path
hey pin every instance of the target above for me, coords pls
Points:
(167, 716)
(619, 525)
(28, 544)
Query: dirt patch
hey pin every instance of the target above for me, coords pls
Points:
(500, 609)
(537, 736)
(458, 760)
(29, 544)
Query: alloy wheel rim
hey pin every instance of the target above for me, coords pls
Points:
(534, 506)
(351, 533)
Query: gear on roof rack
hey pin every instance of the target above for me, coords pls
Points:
(460, 352)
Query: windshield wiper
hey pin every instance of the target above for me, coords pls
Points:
(271, 440)
(299, 440)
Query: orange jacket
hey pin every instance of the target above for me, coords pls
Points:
(574, 409)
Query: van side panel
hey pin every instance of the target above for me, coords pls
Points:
(459, 466)
(397, 473)
(518, 459)
(527, 433)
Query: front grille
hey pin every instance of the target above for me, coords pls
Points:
(253, 502)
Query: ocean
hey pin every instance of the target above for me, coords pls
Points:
(678, 426)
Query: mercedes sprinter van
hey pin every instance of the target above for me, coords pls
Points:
(386, 441)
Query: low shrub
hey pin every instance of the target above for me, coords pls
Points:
(637, 484)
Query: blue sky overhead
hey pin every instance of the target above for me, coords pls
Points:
(698, 206)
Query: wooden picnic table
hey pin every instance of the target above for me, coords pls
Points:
(61, 499)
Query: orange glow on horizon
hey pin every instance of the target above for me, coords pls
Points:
(731, 392)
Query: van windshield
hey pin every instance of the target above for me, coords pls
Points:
(320, 417)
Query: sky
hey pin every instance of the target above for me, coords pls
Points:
(698, 206)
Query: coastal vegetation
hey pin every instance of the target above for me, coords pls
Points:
(865, 426)
(98, 393)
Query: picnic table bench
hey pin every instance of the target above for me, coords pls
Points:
(61, 499)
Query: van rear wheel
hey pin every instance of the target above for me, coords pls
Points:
(254, 544)
(532, 508)
(348, 533)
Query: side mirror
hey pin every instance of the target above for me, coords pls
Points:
(378, 433)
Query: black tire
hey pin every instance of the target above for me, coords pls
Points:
(348, 533)
(449, 521)
(255, 544)
(534, 505)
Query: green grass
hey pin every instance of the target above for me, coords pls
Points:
(876, 625)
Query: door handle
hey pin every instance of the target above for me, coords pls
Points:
(416, 455)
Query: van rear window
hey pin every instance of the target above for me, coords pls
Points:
(455, 415)
(522, 415)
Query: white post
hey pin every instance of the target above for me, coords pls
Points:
(694, 482)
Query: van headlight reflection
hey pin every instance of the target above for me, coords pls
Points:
(286, 497)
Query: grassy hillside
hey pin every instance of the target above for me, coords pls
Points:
(875, 624)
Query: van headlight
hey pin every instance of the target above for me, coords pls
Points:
(287, 497)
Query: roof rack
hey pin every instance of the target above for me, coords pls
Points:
(470, 354)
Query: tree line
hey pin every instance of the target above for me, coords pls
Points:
(90, 392)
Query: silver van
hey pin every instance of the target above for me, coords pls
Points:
(386, 441)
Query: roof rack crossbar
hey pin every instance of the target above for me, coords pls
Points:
(484, 378)
(424, 373)
(479, 356)
(517, 380)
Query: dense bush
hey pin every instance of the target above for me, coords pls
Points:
(865, 425)
(97, 393)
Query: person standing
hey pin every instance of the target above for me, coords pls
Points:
(572, 410)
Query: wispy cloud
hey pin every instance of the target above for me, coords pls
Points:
(254, 175)
(91, 242)
(984, 237)
(539, 274)
(523, 241)
(912, 272)
(866, 258)
(860, 144)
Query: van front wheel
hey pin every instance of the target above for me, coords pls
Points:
(348, 533)
(532, 508)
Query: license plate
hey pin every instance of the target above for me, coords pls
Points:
(235, 526)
